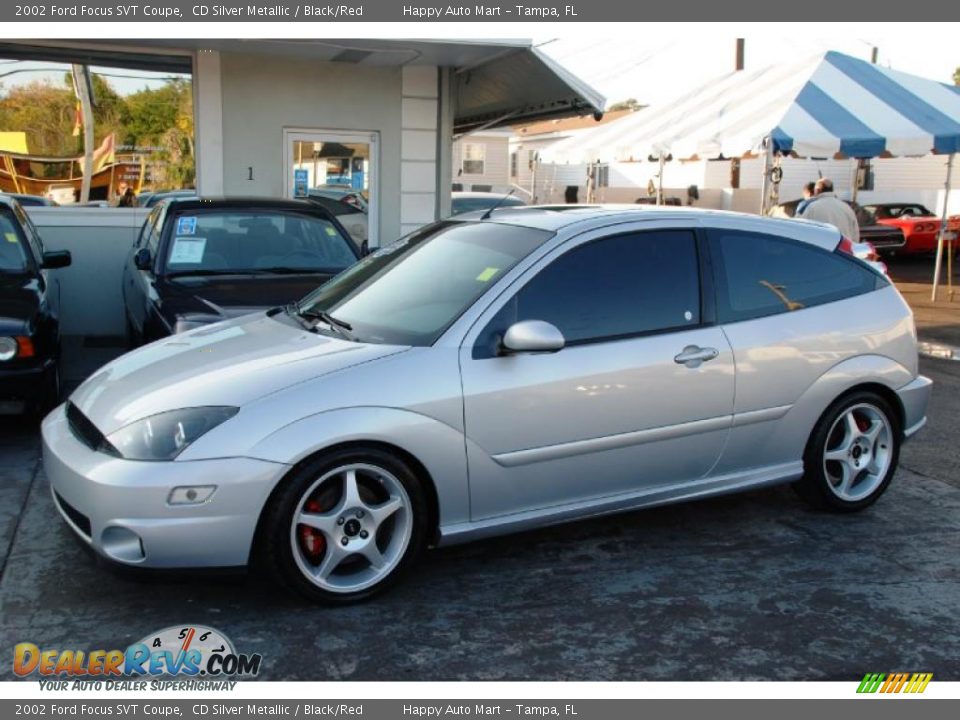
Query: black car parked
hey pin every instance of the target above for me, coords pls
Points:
(199, 261)
(29, 315)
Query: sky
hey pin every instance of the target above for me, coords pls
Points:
(655, 63)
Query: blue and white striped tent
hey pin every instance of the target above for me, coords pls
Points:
(830, 105)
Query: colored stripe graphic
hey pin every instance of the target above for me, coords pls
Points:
(871, 682)
(894, 682)
(918, 683)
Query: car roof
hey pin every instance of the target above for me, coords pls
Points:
(260, 203)
(558, 217)
(7, 200)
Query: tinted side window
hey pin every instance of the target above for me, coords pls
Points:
(611, 288)
(760, 275)
(33, 236)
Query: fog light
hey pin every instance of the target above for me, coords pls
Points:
(191, 494)
(122, 544)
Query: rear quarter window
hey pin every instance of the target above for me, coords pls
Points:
(758, 275)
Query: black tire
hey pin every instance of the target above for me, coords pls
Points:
(277, 550)
(816, 486)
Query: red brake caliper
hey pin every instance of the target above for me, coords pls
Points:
(862, 424)
(312, 541)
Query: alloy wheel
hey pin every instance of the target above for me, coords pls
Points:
(858, 452)
(351, 527)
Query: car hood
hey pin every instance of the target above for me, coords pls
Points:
(230, 363)
(220, 297)
(19, 302)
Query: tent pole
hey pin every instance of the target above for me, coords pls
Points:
(660, 182)
(854, 183)
(765, 180)
(943, 228)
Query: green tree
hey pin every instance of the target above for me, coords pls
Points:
(956, 76)
(46, 112)
(157, 122)
(43, 111)
(161, 119)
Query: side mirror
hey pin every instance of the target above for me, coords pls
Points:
(532, 336)
(56, 259)
(142, 259)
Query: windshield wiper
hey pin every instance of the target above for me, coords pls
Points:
(205, 273)
(340, 326)
(287, 270)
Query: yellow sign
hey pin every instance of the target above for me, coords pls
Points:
(15, 142)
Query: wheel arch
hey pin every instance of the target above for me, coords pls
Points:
(434, 452)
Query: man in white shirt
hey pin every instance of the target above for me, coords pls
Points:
(828, 208)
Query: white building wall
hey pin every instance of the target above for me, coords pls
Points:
(262, 95)
(99, 239)
(496, 164)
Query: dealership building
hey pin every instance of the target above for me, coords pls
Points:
(268, 113)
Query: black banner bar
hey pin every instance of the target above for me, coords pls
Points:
(498, 11)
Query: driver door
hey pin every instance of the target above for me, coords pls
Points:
(613, 412)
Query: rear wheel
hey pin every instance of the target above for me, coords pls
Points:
(346, 525)
(852, 454)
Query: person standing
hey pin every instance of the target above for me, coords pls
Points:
(808, 191)
(128, 199)
(826, 207)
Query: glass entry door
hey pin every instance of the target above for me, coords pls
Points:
(339, 171)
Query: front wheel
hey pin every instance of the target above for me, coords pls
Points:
(346, 525)
(852, 453)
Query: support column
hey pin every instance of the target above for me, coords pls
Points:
(943, 229)
(208, 122)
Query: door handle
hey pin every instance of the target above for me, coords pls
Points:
(693, 356)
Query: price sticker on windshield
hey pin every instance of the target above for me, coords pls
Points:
(187, 225)
(11, 237)
(188, 251)
(487, 274)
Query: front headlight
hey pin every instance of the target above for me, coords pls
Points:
(8, 348)
(166, 435)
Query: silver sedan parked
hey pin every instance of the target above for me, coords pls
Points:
(490, 374)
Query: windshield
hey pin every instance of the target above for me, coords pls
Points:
(224, 241)
(13, 255)
(897, 211)
(409, 292)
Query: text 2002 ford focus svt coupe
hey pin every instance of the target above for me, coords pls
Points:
(491, 374)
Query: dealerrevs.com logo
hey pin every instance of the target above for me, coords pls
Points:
(890, 683)
(185, 651)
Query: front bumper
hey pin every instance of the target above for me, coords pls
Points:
(914, 397)
(119, 507)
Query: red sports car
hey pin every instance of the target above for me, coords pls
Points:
(920, 226)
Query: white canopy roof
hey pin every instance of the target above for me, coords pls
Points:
(825, 106)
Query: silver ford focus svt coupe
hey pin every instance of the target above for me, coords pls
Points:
(489, 374)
